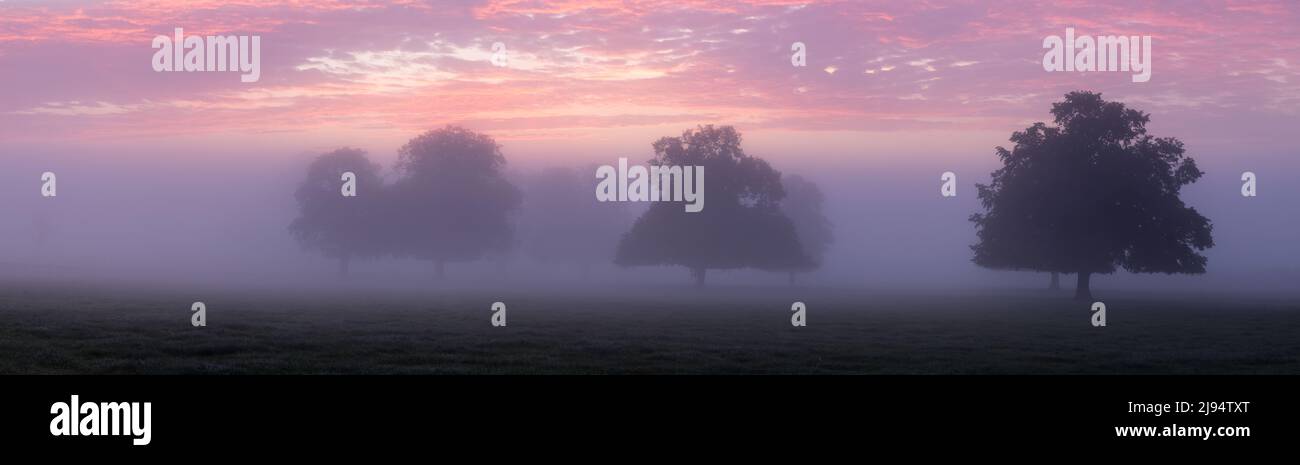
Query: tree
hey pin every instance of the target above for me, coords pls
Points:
(1092, 194)
(803, 205)
(451, 201)
(336, 226)
(563, 223)
(742, 226)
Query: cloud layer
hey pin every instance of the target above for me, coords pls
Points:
(1227, 72)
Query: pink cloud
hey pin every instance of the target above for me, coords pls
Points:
(81, 72)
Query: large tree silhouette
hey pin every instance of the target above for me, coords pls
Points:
(451, 202)
(741, 225)
(339, 227)
(1092, 194)
(803, 204)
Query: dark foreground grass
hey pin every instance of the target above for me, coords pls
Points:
(665, 331)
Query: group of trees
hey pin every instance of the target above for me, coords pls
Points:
(1090, 195)
(451, 202)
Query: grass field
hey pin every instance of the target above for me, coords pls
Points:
(671, 330)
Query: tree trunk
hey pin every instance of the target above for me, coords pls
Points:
(1083, 290)
(698, 274)
(1056, 282)
(343, 265)
(440, 269)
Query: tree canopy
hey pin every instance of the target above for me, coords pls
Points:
(336, 226)
(742, 227)
(1091, 194)
(804, 205)
(451, 202)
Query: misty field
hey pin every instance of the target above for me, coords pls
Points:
(668, 330)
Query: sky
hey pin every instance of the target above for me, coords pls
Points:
(372, 73)
(893, 94)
